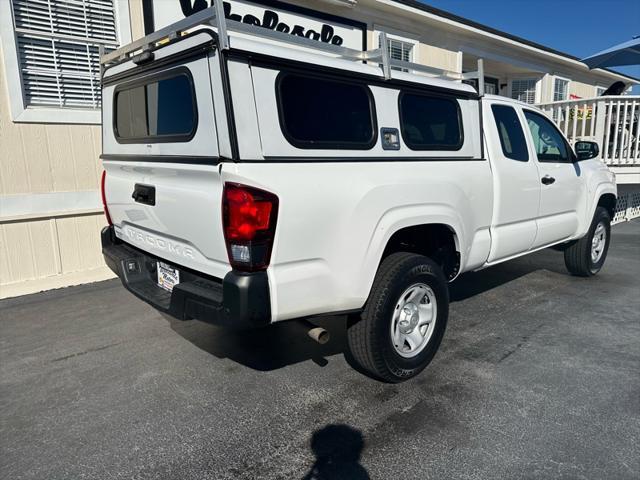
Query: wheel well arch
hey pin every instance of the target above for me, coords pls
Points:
(608, 201)
(437, 241)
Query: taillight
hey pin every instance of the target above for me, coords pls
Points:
(249, 221)
(104, 198)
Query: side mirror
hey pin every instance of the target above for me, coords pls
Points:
(586, 150)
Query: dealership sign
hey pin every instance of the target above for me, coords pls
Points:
(273, 15)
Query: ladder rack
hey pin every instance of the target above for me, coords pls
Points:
(214, 17)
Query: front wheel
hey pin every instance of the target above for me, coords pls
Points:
(586, 256)
(404, 320)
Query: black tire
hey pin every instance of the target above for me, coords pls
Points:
(369, 335)
(577, 257)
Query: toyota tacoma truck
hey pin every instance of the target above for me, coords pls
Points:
(253, 177)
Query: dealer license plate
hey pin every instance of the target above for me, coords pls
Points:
(168, 277)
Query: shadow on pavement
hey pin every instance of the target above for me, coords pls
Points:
(266, 348)
(475, 283)
(279, 345)
(337, 449)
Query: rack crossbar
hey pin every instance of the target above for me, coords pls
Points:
(170, 31)
(214, 17)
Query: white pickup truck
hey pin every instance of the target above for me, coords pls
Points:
(252, 179)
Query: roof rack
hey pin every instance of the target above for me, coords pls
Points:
(214, 17)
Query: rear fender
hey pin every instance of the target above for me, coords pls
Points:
(398, 218)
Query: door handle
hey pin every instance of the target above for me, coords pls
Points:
(144, 194)
(547, 180)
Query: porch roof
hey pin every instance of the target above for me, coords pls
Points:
(470, 23)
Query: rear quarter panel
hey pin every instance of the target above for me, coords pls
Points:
(335, 219)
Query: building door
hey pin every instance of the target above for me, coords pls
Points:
(491, 86)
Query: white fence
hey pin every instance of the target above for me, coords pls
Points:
(612, 122)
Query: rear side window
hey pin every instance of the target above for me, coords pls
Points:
(514, 145)
(430, 122)
(325, 113)
(159, 109)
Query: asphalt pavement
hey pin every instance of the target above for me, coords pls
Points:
(538, 377)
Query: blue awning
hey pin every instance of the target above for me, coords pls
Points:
(627, 53)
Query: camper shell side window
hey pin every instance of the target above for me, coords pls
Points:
(320, 112)
(430, 121)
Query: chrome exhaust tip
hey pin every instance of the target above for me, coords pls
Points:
(314, 332)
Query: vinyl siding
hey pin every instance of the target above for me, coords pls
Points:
(582, 90)
(43, 158)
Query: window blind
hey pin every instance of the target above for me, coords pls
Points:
(560, 89)
(399, 50)
(57, 44)
(524, 90)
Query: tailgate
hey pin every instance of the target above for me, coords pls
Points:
(161, 152)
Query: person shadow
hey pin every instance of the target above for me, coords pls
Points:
(337, 448)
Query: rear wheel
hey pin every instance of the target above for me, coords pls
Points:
(586, 256)
(404, 320)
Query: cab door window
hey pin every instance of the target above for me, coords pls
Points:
(548, 142)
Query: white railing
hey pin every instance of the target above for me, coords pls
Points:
(613, 122)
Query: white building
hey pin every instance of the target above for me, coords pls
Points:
(50, 212)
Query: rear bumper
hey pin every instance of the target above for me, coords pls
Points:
(239, 300)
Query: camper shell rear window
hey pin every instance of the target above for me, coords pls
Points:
(157, 108)
(326, 113)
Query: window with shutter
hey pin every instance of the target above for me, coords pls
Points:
(560, 89)
(524, 89)
(399, 50)
(57, 44)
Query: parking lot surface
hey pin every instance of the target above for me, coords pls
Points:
(538, 377)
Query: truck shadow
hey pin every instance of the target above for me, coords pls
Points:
(471, 284)
(276, 346)
(266, 348)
